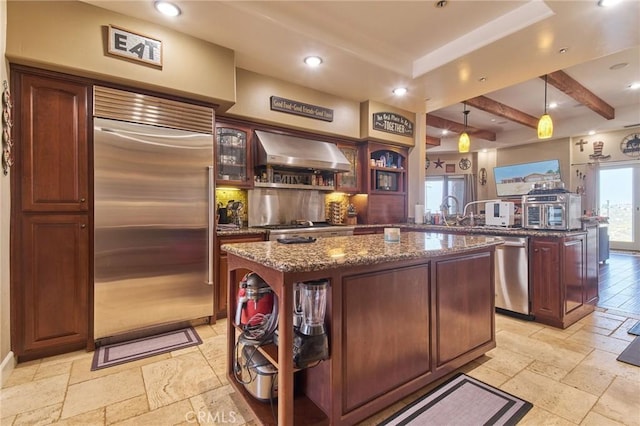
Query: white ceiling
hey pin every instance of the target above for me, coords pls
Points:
(370, 47)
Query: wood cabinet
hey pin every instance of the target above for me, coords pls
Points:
(385, 185)
(51, 206)
(350, 181)
(221, 277)
(564, 283)
(233, 155)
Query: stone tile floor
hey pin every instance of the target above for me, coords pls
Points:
(571, 376)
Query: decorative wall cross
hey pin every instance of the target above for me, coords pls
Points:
(581, 143)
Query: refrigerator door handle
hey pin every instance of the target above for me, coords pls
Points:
(211, 225)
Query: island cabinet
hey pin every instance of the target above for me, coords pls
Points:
(220, 262)
(564, 283)
(399, 316)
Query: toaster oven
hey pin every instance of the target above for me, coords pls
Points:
(561, 211)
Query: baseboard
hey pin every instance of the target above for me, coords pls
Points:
(8, 363)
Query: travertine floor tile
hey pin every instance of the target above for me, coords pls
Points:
(621, 401)
(205, 331)
(81, 369)
(7, 420)
(505, 361)
(178, 378)
(217, 407)
(41, 416)
(214, 348)
(514, 325)
(599, 341)
(22, 374)
(560, 358)
(91, 418)
(92, 394)
(589, 379)
(549, 370)
(126, 409)
(49, 370)
(220, 327)
(484, 374)
(595, 419)
(607, 361)
(178, 413)
(33, 395)
(539, 417)
(558, 339)
(560, 399)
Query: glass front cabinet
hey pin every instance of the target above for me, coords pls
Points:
(349, 181)
(232, 155)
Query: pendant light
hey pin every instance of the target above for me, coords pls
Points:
(545, 125)
(463, 142)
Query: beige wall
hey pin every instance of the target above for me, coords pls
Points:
(253, 103)
(6, 358)
(71, 37)
(368, 108)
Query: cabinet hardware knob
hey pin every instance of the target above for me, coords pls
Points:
(82, 200)
(83, 226)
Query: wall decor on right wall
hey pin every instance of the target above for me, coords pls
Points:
(630, 145)
(597, 151)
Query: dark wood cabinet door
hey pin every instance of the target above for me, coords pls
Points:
(349, 181)
(591, 270)
(234, 165)
(545, 279)
(465, 318)
(53, 131)
(378, 330)
(55, 277)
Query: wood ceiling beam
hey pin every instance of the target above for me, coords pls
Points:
(501, 110)
(452, 126)
(433, 141)
(561, 81)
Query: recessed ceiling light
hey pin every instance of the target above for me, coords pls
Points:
(445, 132)
(441, 3)
(608, 3)
(313, 61)
(167, 8)
(563, 50)
(553, 105)
(482, 79)
(618, 66)
(400, 91)
(592, 132)
(634, 86)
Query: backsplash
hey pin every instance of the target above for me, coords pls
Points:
(223, 196)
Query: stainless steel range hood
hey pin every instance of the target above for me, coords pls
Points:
(289, 151)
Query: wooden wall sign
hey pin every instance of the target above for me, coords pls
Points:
(300, 108)
(134, 46)
(391, 122)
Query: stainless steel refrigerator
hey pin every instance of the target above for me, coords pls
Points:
(153, 233)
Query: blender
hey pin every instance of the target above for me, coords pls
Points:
(310, 343)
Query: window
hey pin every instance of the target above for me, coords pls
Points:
(437, 188)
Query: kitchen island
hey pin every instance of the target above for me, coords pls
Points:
(399, 316)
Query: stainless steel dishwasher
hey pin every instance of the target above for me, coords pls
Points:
(512, 277)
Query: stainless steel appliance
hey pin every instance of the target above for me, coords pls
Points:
(309, 229)
(551, 209)
(499, 213)
(152, 214)
(512, 277)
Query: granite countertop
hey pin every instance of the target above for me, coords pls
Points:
(240, 231)
(327, 253)
(482, 230)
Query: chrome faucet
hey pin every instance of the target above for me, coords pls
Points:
(444, 208)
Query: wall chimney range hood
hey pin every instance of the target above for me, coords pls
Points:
(300, 153)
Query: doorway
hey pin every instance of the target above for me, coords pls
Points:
(619, 200)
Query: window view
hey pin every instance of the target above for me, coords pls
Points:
(444, 189)
(616, 202)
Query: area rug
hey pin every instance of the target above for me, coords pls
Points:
(119, 353)
(635, 329)
(631, 355)
(462, 401)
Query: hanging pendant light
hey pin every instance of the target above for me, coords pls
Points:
(545, 125)
(464, 143)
